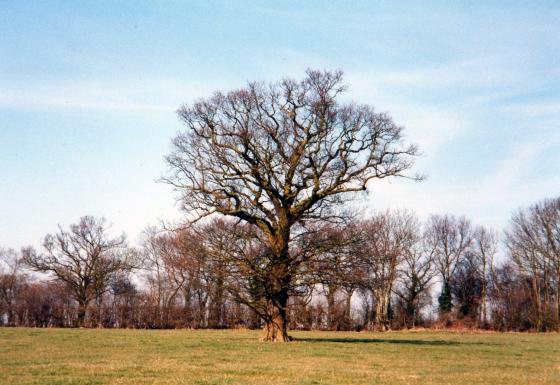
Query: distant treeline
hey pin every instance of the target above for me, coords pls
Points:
(388, 271)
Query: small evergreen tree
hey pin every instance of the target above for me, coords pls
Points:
(445, 300)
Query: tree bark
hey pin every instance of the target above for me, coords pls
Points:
(82, 307)
(216, 319)
(539, 325)
(348, 309)
(381, 311)
(331, 307)
(276, 324)
(276, 320)
(410, 311)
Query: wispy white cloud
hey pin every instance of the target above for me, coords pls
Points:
(522, 177)
(430, 125)
(44, 99)
(150, 95)
(484, 71)
(508, 181)
(532, 109)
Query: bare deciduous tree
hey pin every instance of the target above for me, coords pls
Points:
(484, 249)
(415, 278)
(450, 238)
(533, 242)
(333, 269)
(84, 258)
(239, 260)
(12, 281)
(387, 237)
(278, 155)
(159, 251)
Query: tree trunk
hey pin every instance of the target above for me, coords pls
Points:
(381, 311)
(187, 308)
(481, 319)
(484, 300)
(331, 305)
(11, 313)
(201, 313)
(81, 314)
(410, 308)
(216, 319)
(254, 320)
(11, 318)
(276, 320)
(276, 324)
(537, 305)
(279, 284)
(368, 310)
(348, 310)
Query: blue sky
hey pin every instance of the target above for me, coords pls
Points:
(88, 94)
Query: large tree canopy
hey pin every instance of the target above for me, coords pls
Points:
(274, 155)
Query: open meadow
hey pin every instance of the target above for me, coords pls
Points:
(98, 356)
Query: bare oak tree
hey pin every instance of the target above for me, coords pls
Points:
(450, 237)
(164, 285)
(84, 258)
(415, 278)
(12, 282)
(484, 250)
(333, 268)
(281, 154)
(533, 242)
(387, 238)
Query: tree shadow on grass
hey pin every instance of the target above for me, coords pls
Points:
(386, 341)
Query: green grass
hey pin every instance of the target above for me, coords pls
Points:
(72, 356)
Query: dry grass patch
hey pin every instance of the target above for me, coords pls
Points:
(85, 356)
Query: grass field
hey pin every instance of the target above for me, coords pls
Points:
(73, 356)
